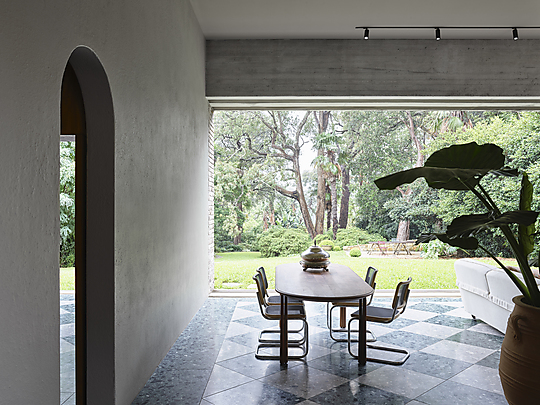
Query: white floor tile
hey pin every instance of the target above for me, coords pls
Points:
(458, 351)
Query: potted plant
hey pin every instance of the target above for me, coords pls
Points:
(462, 167)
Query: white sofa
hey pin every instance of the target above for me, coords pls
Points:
(486, 291)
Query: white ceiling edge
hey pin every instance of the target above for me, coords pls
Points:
(337, 19)
(375, 103)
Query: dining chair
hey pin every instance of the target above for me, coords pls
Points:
(275, 299)
(385, 315)
(371, 274)
(273, 313)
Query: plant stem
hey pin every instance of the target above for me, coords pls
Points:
(510, 274)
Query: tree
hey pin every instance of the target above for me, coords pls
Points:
(67, 204)
(273, 139)
(327, 164)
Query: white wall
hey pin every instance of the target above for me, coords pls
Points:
(153, 54)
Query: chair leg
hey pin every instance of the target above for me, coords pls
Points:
(302, 343)
(300, 331)
(373, 338)
(398, 362)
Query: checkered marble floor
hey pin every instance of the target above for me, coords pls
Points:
(67, 349)
(454, 360)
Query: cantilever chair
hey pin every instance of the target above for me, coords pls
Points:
(371, 274)
(273, 313)
(385, 315)
(275, 299)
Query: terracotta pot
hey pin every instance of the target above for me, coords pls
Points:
(519, 367)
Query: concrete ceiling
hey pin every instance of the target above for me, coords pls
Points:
(337, 19)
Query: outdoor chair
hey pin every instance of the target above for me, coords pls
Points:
(385, 315)
(275, 299)
(371, 274)
(273, 313)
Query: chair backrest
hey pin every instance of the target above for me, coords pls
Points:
(260, 291)
(370, 276)
(370, 279)
(401, 296)
(265, 280)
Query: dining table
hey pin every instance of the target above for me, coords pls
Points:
(335, 283)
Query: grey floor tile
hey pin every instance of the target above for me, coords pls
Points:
(479, 339)
(230, 349)
(64, 396)
(356, 393)
(432, 307)
(249, 366)
(453, 321)
(401, 381)
(407, 340)
(485, 328)
(241, 313)
(236, 329)
(491, 361)
(250, 339)
(172, 386)
(342, 365)
(254, 393)
(304, 381)
(70, 399)
(485, 378)
(454, 393)
(222, 379)
(435, 366)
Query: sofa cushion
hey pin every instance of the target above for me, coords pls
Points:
(471, 276)
(502, 289)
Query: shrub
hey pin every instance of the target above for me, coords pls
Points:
(355, 236)
(326, 242)
(324, 236)
(436, 248)
(278, 241)
(355, 252)
(336, 248)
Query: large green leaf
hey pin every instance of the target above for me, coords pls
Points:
(468, 156)
(467, 243)
(525, 233)
(436, 177)
(468, 225)
(458, 167)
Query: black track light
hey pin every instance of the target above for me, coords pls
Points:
(515, 34)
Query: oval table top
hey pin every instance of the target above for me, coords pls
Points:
(338, 283)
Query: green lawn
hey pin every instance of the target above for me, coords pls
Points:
(67, 278)
(239, 267)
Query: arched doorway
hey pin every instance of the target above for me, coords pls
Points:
(87, 113)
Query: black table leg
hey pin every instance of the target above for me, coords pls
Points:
(283, 327)
(362, 312)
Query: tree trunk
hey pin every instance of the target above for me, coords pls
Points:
(345, 196)
(299, 196)
(321, 117)
(403, 230)
(333, 199)
(321, 199)
(238, 237)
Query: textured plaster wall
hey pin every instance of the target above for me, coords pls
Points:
(153, 54)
